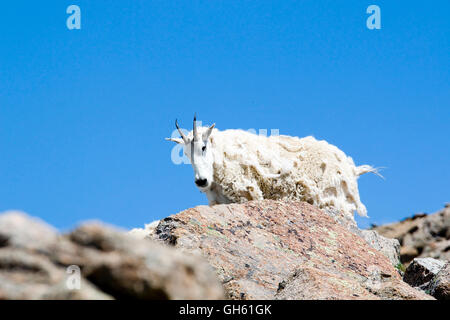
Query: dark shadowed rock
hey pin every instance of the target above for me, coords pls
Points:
(34, 258)
(431, 276)
(284, 249)
(421, 271)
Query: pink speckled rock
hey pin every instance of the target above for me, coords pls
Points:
(286, 250)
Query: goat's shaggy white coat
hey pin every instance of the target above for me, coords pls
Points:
(252, 167)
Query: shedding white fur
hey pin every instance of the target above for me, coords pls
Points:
(244, 166)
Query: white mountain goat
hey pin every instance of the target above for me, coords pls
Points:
(237, 166)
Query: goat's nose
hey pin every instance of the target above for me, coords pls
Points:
(201, 182)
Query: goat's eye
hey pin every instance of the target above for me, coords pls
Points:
(203, 148)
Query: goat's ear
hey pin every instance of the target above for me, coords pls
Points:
(176, 140)
(208, 132)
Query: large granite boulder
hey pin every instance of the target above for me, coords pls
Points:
(284, 250)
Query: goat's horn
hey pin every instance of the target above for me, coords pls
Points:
(194, 133)
(181, 132)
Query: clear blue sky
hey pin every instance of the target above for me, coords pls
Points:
(84, 113)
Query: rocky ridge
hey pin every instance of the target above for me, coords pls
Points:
(256, 250)
(421, 235)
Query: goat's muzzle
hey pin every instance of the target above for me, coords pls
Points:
(201, 183)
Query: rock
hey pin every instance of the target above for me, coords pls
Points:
(408, 253)
(129, 268)
(431, 276)
(437, 250)
(440, 285)
(34, 260)
(389, 247)
(421, 271)
(343, 220)
(388, 288)
(284, 249)
(313, 284)
(21, 231)
(28, 276)
(421, 235)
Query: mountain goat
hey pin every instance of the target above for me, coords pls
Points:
(236, 166)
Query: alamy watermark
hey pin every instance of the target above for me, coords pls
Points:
(177, 154)
(374, 20)
(73, 281)
(74, 20)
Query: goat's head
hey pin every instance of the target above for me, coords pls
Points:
(197, 147)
